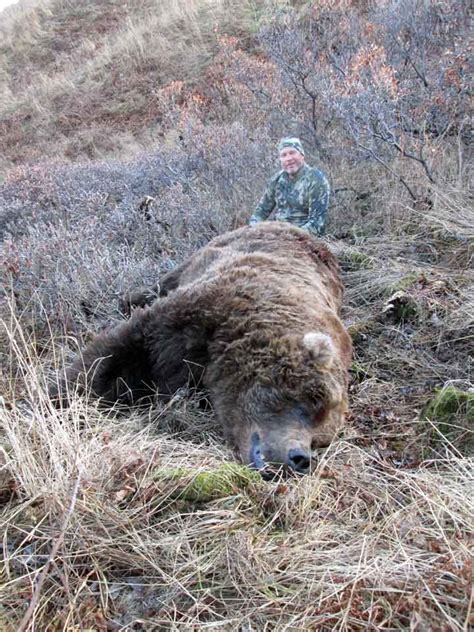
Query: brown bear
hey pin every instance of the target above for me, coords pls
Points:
(253, 317)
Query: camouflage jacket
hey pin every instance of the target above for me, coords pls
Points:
(302, 201)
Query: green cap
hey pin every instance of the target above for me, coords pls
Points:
(291, 142)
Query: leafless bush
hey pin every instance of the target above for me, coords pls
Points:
(75, 237)
(393, 77)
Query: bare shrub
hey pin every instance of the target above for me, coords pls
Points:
(393, 77)
(78, 236)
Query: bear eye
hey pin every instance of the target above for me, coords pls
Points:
(310, 414)
(302, 412)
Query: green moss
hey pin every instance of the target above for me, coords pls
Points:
(355, 260)
(358, 371)
(202, 486)
(448, 402)
(452, 412)
(359, 330)
(403, 284)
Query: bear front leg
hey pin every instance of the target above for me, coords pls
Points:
(115, 366)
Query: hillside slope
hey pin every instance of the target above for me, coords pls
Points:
(82, 79)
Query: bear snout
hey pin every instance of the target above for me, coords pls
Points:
(262, 458)
(299, 461)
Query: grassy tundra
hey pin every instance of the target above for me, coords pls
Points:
(132, 133)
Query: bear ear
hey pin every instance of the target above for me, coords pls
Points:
(321, 347)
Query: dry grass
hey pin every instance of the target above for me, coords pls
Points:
(359, 544)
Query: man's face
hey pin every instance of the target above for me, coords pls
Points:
(291, 160)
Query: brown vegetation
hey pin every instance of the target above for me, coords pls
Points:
(162, 119)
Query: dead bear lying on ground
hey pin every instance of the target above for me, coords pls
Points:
(254, 318)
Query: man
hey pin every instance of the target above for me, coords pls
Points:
(298, 194)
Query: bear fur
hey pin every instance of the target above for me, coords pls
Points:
(253, 317)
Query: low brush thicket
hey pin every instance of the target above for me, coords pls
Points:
(140, 519)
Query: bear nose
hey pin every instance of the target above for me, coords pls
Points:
(299, 461)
